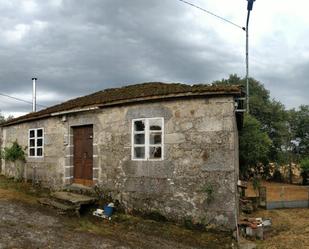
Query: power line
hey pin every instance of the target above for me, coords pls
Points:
(18, 99)
(213, 14)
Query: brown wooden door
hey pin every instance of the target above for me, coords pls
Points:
(83, 154)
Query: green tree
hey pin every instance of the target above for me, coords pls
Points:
(254, 146)
(4, 119)
(299, 123)
(304, 165)
(271, 114)
(287, 130)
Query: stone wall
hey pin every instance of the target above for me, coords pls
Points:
(49, 169)
(197, 178)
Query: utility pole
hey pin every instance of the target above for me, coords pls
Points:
(249, 8)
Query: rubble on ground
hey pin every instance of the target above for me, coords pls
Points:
(254, 227)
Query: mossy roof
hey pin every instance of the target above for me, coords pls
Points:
(131, 94)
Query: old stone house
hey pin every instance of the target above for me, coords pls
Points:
(167, 148)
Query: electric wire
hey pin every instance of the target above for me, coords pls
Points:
(18, 99)
(213, 14)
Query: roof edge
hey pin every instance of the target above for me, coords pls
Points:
(236, 91)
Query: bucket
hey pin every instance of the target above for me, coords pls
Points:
(108, 211)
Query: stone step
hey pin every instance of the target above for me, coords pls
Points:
(80, 189)
(73, 198)
(63, 208)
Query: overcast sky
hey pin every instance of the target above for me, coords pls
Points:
(76, 47)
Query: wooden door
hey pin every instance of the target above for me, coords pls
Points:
(83, 155)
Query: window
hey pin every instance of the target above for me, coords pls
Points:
(36, 142)
(147, 139)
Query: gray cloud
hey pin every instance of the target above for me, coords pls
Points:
(77, 47)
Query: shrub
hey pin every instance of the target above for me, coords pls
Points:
(15, 154)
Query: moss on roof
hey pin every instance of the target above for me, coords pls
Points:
(131, 93)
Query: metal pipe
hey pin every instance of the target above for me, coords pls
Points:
(34, 94)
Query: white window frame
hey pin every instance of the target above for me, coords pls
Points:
(147, 144)
(35, 147)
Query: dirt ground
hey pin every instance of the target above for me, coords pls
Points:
(26, 225)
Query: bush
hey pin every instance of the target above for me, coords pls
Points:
(304, 165)
(14, 153)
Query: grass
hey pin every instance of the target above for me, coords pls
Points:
(18, 190)
(131, 228)
(22, 187)
(290, 229)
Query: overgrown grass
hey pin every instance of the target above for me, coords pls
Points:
(289, 229)
(20, 190)
(128, 228)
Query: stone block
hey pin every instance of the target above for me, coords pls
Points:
(95, 162)
(186, 126)
(219, 161)
(209, 124)
(68, 172)
(175, 138)
(68, 161)
(156, 169)
(95, 173)
(68, 150)
(149, 111)
(147, 185)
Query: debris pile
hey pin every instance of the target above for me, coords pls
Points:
(105, 213)
(245, 204)
(254, 227)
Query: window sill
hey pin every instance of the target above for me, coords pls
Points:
(35, 159)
